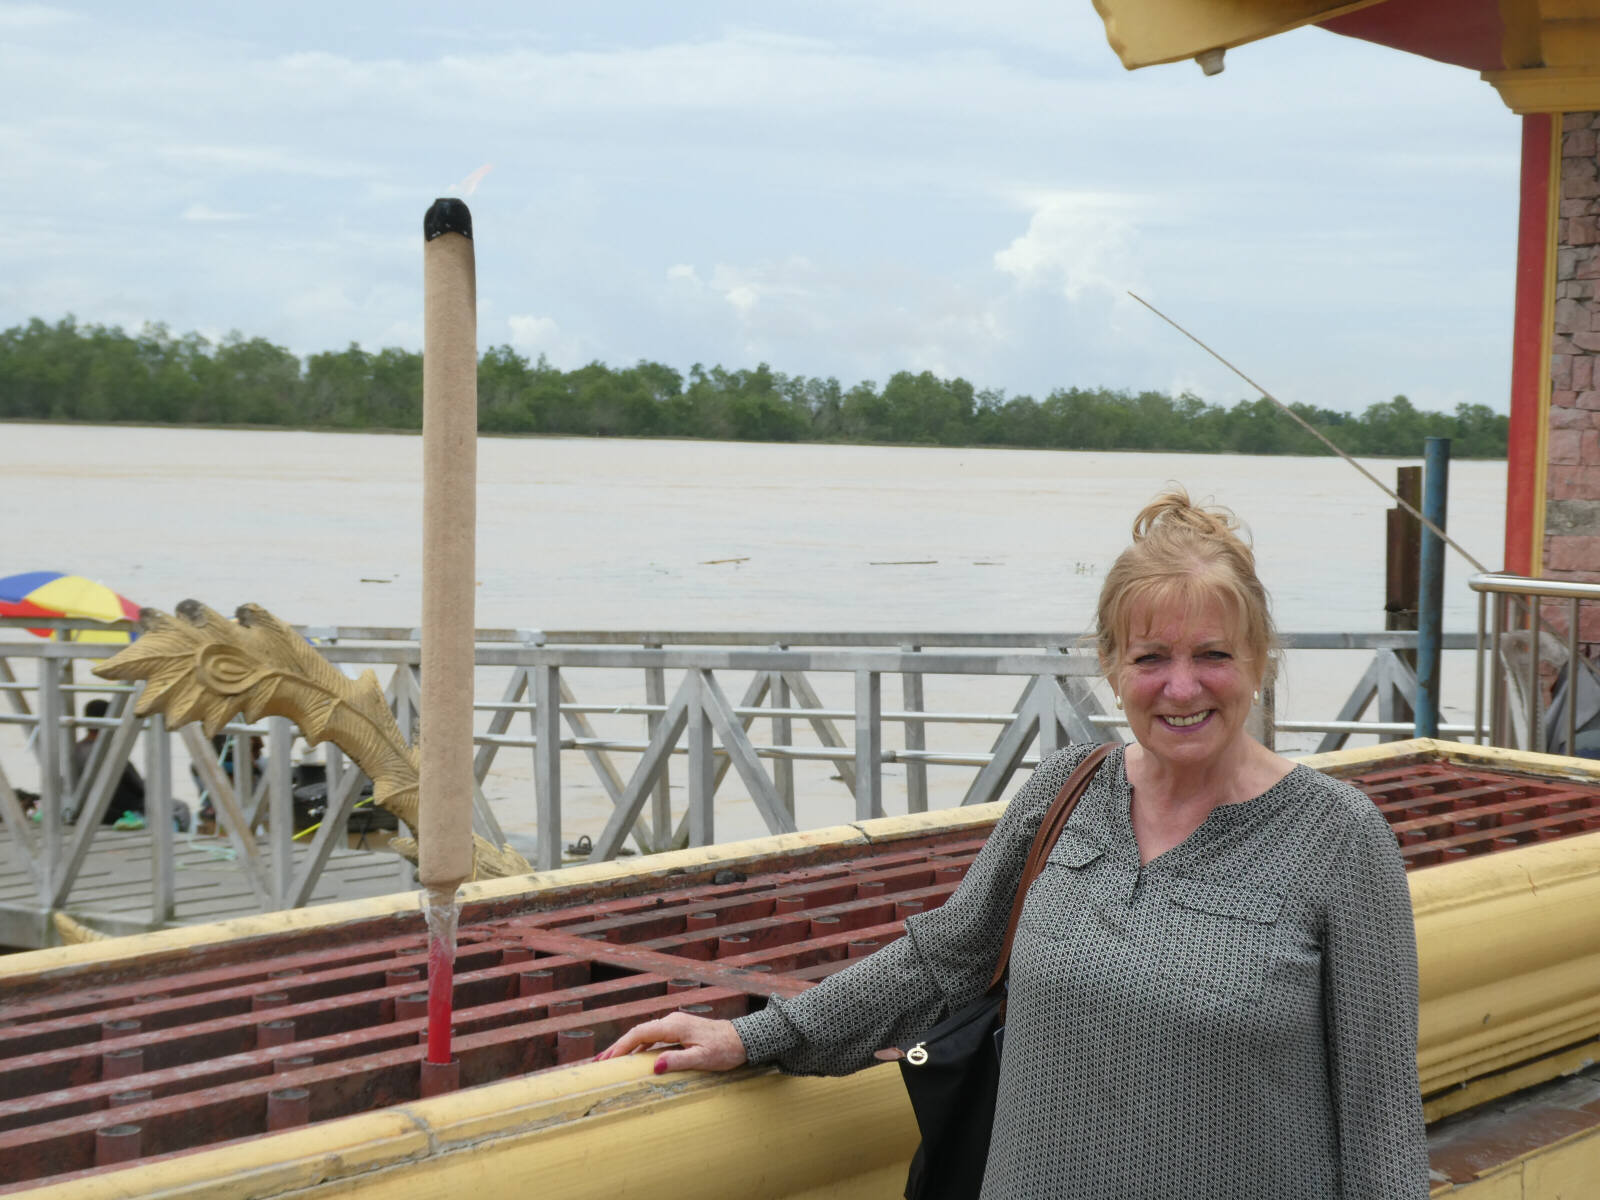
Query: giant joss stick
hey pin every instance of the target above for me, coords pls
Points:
(449, 525)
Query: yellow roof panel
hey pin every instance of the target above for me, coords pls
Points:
(1146, 32)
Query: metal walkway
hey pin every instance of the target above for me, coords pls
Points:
(115, 883)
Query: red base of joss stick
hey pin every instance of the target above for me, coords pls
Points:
(441, 986)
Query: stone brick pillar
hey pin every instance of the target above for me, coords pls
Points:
(1572, 493)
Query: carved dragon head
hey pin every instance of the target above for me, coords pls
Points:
(200, 666)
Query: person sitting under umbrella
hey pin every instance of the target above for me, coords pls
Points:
(128, 800)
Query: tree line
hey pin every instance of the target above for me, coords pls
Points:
(94, 373)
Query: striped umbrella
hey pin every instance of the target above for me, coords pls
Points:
(55, 594)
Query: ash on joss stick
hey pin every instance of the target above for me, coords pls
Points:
(449, 524)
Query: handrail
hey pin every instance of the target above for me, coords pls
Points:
(924, 639)
(1502, 673)
(1518, 585)
(1057, 674)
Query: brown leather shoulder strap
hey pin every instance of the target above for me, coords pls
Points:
(1044, 841)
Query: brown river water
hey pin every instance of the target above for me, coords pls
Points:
(325, 529)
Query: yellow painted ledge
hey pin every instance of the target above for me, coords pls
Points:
(606, 1129)
(1496, 758)
(1508, 953)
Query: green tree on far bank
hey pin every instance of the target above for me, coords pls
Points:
(96, 373)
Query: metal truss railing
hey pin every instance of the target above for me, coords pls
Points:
(691, 696)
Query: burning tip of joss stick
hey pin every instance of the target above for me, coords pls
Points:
(447, 215)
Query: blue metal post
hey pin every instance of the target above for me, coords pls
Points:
(1430, 599)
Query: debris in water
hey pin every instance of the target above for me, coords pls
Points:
(712, 562)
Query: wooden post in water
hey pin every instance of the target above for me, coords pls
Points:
(1404, 550)
(1402, 559)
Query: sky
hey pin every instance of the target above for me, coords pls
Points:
(841, 188)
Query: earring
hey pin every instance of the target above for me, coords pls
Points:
(1255, 696)
(1116, 699)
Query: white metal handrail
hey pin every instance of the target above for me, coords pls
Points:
(1497, 594)
(1057, 671)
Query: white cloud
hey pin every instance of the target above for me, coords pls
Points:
(204, 212)
(19, 17)
(406, 332)
(857, 320)
(1075, 243)
(534, 335)
(795, 281)
(1021, 23)
(268, 160)
(328, 302)
(742, 296)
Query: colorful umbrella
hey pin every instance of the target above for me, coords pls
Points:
(53, 594)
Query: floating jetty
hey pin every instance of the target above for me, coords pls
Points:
(281, 1055)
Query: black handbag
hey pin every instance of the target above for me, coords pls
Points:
(952, 1073)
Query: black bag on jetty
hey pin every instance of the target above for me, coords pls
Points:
(952, 1073)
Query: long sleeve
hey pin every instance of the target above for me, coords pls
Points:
(944, 961)
(1370, 999)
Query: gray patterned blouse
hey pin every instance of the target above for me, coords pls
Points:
(1235, 1020)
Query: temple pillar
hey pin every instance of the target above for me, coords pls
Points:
(1569, 542)
(1532, 352)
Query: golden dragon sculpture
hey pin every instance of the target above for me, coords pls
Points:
(200, 666)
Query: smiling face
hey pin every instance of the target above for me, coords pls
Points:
(1185, 679)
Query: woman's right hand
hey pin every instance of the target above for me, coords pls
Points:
(707, 1045)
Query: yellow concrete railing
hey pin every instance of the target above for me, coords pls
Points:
(1509, 957)
(1508, 946)
(608, 1130)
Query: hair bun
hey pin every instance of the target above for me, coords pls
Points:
(1173, 510)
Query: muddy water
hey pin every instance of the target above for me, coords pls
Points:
(575, 533)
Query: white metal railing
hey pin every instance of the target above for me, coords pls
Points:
(1516, 646)
(1055, 678)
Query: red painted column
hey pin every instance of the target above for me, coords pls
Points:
(1529, 368)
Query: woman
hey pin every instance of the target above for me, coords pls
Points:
(1213, 988)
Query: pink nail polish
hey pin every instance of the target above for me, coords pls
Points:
(661, 1066)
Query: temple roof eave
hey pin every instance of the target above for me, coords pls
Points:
(1540, 55)
(1144, 33)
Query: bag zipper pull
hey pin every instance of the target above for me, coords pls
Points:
(917, 1055)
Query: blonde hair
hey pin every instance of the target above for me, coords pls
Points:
(1185, 554)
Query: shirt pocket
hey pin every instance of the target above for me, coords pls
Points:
(1219, 938)
(1065, 888)
(1074, 850)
